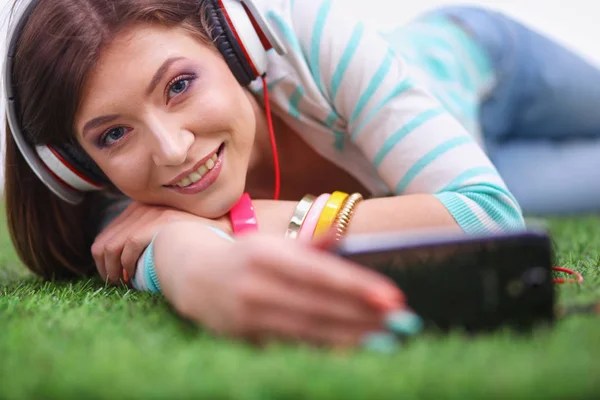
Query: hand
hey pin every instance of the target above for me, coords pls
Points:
(122, 242)
(264, 287)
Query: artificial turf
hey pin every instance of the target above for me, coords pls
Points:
(86, 340)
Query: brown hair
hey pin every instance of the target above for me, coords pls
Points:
(57, 50)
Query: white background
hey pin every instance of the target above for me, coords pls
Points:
(573, 23)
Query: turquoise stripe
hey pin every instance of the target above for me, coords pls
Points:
(373, 85)
(457, 182)
(396, 91)
(150, 271)
(462, 214)
(286, 30)
(315, 49)
(492, 190)
(331, 118)
(428, 159)
(405, 131)
(349, 52)
(340, 140)
(295, 99)
(505, 216)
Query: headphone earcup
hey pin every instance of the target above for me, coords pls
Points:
(77, 159)
(228, 45)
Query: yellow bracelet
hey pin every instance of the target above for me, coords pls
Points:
(342, 221)
(299, 216)
(330, 211)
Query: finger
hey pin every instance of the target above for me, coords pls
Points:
(107, 239)
(99, 260)
(276, 323)
(322, 270)
(133, 249)
(112, 262)
(114, 245)
(319, 304)
(326, 242)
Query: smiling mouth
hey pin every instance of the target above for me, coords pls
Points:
(200, 172)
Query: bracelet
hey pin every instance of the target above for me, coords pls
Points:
(310, 222)
(299, 216)
(342, 220)
(330, 211)
(243, 218)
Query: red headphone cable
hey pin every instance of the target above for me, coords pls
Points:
(569, 272)
(273, 142)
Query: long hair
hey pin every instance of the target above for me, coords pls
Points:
(56, 52)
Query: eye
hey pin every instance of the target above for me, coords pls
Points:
(178, 86)
(112, 136)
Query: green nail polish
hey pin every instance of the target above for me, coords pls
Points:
(404, 323)
(380, 342)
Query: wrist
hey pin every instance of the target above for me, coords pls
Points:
(274, 215)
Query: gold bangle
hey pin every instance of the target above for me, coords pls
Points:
(342, 221)
(299, 216)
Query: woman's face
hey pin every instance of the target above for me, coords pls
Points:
(167, 122)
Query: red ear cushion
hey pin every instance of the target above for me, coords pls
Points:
(228, 45)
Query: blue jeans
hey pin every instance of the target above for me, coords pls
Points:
(541, 123)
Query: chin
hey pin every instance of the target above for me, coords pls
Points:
(217, 204)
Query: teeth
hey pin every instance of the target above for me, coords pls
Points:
(184, 182)
(196, 176)
(203, 170)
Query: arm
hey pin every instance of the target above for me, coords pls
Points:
(268, 287)
(427, 159)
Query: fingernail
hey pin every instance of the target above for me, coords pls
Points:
(386, 303)
(125, 276)
(404, 323)
(380, 342)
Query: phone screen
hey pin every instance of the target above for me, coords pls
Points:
(471, 283)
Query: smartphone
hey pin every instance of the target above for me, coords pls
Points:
(463, 282)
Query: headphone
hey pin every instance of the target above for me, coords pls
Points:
(241, 34)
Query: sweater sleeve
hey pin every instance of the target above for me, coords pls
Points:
(414, 143)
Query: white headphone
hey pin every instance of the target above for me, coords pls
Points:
(241, 34)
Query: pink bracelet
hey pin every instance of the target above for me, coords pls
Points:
(310, 222)
(243, 218)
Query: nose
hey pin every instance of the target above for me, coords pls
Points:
(170, 144)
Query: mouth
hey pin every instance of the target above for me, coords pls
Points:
(201, 176)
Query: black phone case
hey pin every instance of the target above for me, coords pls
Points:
(469, 283)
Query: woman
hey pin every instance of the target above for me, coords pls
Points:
(146, 97)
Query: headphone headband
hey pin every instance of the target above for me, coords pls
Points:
(247, 37)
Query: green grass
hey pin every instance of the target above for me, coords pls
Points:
(85, 340)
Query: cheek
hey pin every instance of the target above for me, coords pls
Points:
(129, 174)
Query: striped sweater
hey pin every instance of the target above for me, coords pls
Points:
(398, 111)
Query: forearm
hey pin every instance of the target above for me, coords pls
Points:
(371, 216)
(169, 253)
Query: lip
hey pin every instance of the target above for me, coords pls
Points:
(194, 168)
(207, 180)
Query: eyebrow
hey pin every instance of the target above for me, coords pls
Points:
(96, 122)
(160, 73)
